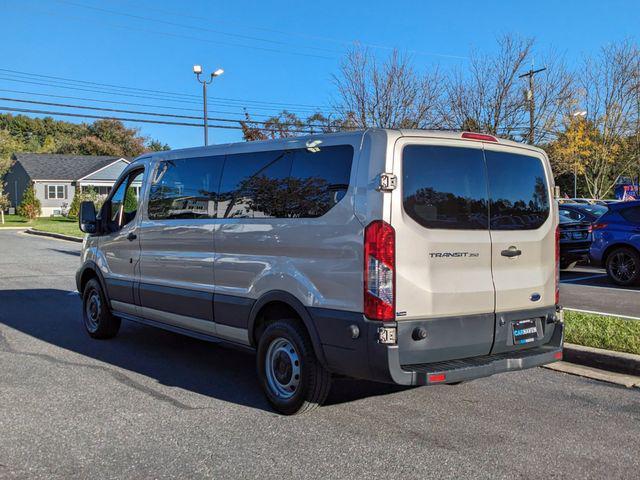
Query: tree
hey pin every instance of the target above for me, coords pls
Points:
(283, 125)
(4, 202)
(19, 133)
(387, 95)
(130, 200)
(604, 145)
(30, 206)
(489, 96)
(83, 195)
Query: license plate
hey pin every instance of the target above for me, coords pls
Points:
(579, 235)
(524, 331)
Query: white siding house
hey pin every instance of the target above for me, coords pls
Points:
(56, 177)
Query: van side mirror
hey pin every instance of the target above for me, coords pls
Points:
(87, 217)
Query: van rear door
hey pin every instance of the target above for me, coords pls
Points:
(443, 250)
(522, 225)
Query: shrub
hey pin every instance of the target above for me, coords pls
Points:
(30, 207)
(80, 196)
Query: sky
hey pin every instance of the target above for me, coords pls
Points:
(276, 54)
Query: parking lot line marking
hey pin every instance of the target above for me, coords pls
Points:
(615, 289)
(601, 313)
(579, 279)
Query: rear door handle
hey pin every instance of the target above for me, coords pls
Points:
(511, 252)
(131, 237)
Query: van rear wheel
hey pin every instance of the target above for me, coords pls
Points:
(290, 374)
(96, 316)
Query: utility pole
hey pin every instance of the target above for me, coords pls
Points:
(197, 69)
(532, 101)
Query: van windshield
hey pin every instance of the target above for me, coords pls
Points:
(471, 189)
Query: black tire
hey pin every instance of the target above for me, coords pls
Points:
(623, 266)
(96, 316)
(291, 388)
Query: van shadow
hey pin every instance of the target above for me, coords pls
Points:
(217, 370)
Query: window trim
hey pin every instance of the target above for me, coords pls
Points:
(124, 176)
(55, 187)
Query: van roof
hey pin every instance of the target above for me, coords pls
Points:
(295, 141)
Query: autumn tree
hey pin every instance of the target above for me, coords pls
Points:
(604, 145)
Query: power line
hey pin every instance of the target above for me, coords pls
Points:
(148, 97)
(136, 120)
(162, 92)
(155, 114)
(138, 29)
(190, 27)
(343, 43)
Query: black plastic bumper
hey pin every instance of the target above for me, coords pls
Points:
(364, 357)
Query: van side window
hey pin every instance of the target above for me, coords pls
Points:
(125, 201)
(445, 187)
(319, 179)
(185, 188)
(518, 191)
(254, 185)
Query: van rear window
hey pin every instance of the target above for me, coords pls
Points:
(445, 187)
(471, 189)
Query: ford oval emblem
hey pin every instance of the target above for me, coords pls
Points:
(534, 297)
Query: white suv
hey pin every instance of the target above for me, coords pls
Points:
(402, 256)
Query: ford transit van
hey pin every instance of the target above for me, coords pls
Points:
(402, 256)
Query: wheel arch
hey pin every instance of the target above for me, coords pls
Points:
(90, 270)
(282, 302)
(613, 247)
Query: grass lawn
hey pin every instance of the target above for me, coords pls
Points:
(610, 333)
(62, 225)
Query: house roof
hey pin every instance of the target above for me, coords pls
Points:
(48, 166)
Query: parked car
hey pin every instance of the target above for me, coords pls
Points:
(575, 240)
(385, 255)
(589, 201)
(616, 243)
(581, 212)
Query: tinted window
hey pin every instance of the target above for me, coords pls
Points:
(445, 187)
(518, 191)
(299, 183)
(631, 214)
(254, 185)
(185, 188)
(319, 179)
(571, 214)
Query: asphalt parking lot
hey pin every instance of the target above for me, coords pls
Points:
(152, 404)
(588, 288)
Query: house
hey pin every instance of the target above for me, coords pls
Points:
(56, 177)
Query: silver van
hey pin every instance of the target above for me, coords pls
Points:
(403, 256)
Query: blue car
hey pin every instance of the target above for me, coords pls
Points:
(616, 243)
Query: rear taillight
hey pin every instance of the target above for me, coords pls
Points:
(379, 271)
(598, 226)
(558, 265)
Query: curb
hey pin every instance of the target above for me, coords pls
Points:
(628, 381)
(59, 236)
(619, 362)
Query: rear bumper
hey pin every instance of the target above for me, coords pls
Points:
(364, 357)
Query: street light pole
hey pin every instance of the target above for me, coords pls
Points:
(197, 69)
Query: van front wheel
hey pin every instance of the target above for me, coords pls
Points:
(290, 374)
(96, 316)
